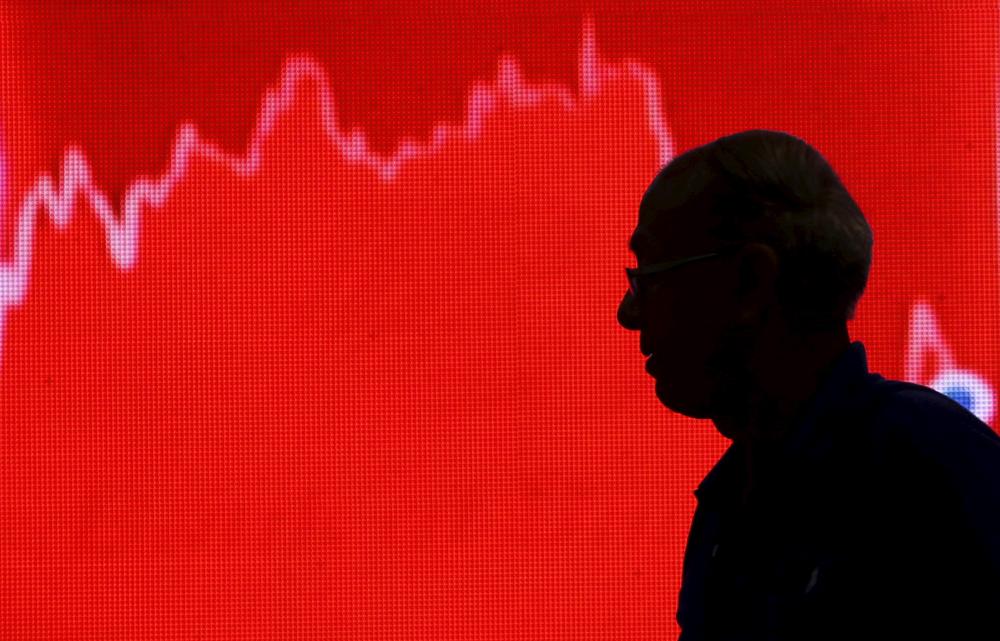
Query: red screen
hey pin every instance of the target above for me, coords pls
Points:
(308, 310)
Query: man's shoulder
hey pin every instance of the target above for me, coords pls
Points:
(933, 424)
(932, 446)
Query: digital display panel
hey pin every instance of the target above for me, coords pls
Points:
(308, 309)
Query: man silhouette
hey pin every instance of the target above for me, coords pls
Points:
(848, 506)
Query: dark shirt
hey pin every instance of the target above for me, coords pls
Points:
(878, 517)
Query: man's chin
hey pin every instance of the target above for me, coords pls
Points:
(678, 404)
(726, 428)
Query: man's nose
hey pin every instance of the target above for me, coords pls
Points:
(628, 314)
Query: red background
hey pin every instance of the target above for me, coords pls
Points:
(322, 404)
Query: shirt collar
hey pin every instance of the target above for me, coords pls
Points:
(806, 442)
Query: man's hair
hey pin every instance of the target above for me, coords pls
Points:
(774, 188)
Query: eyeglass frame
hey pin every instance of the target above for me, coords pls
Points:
(634, 273)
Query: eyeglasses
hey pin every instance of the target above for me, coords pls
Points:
(634, 274)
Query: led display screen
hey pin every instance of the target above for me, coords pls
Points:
(308, 309)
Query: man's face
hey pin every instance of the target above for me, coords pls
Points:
(685, 316)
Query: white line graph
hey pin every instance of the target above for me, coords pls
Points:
(58, 198)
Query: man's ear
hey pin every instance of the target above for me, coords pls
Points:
(757, 277)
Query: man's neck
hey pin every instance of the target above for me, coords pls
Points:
(789, 383)
(787, 379)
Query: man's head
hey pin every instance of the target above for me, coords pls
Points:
(735, 331)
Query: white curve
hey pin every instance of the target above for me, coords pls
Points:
(57, 198)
